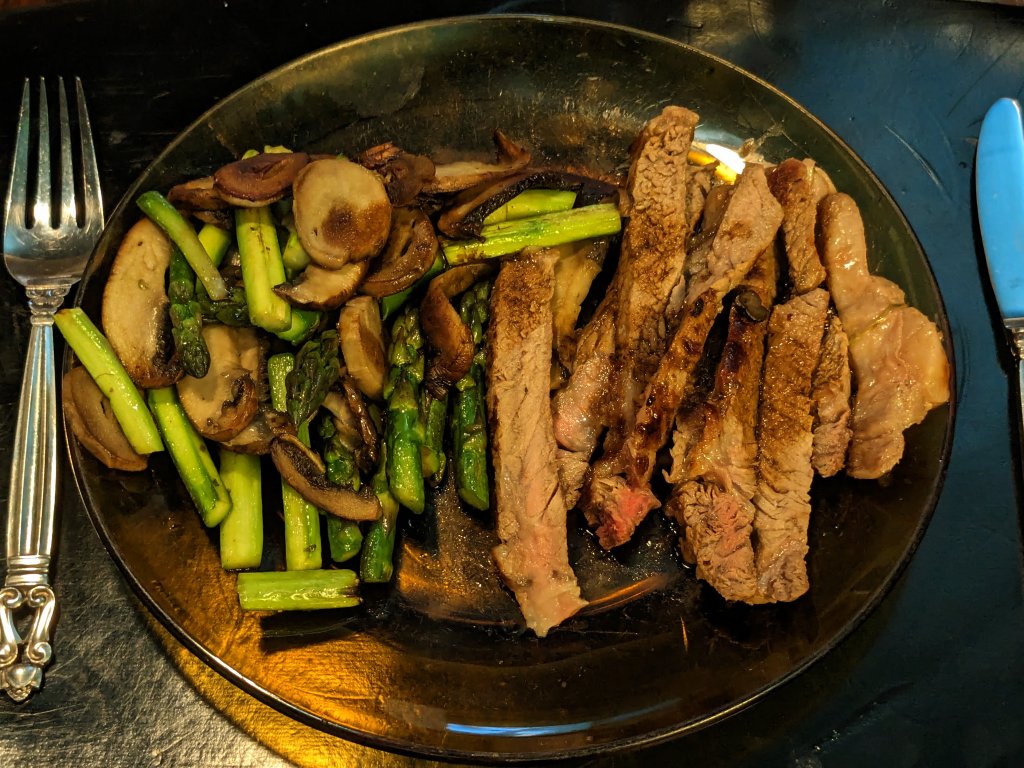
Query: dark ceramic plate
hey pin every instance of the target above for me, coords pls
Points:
(438, 664)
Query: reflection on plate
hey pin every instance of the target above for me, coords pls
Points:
(437, 664)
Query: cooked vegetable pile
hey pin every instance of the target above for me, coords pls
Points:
(327, 317)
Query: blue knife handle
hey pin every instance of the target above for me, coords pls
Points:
(1000, 194)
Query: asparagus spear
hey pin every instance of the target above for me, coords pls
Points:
(301, 519)
(262, 268)
(166, 216)
(434, 411)
(404, 434)
(241, 532)
(186, 317)
(304, 324)
(532, 202)
(294, 255)
(93, 349)
(297, 590)
(215, 241)
(469, 427)
(539, 231)
(190, 455)
(375, 563)
(317, 367)
(344, 537)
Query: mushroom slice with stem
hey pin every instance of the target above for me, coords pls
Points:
(444, 329)
(134, 313)
(225, 400)
(259, 180)
(463, 174)
(304, 471)
(197, 195)
(260, 433)
(319, 288)
(403, 172)
(93, 422)
(410, 251)
(342, 212)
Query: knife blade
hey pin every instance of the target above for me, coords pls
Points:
(1000, 195)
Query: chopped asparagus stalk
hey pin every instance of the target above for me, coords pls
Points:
(317, 367)
(405, 430)
(186, 317)
(190, 455)
(301, 519)
(469, 427)
(376, 561)
(344, 538)
(181, 233)
(432, 456)
(532, 202)
(216, 242)
(304, 324)
(294, 255)
(537, 231)
(241, 532)
(96, 354)
(262, 268)
(297, 590)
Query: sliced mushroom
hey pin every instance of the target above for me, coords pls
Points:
(197, 195)
(465, 218)
(304, 471)
(319, 288)
(225, 400)
(444, 329)
(92, 421)
(408, 255)
(362, 345)
(134, 314)
(259, 180)
(259, 433)
(404, 173)
(354, 423)
(463, 174)
(342, 212)
(577, 266)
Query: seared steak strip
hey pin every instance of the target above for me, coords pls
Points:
(900, 367)
(792, 183)
(531, 513)
(615, 503)
(782, 500)
(652, 255)
(831, 401)
(716, 478)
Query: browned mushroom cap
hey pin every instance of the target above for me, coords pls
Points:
(319, 288)
(408, 254)
(197, 195)
(134, 312)
(225, 400)
(92, 421)
(444, 329)
(463, 174)
(404, 173)
(465, 217)
(259, 433)
(259, 180)
(304, 471)
(342, 212)
(354, 424)
(362, 345)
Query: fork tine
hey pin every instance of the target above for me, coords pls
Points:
(14, 208)
(67, 177)
(41, 207)
(93, 198)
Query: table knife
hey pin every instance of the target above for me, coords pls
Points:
(999, 187)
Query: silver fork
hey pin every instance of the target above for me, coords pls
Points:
(47, 259)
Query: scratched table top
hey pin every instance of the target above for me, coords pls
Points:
(936, 674)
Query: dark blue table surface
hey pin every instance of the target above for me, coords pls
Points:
(934, 677)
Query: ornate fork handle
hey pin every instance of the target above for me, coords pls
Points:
(32, 508)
